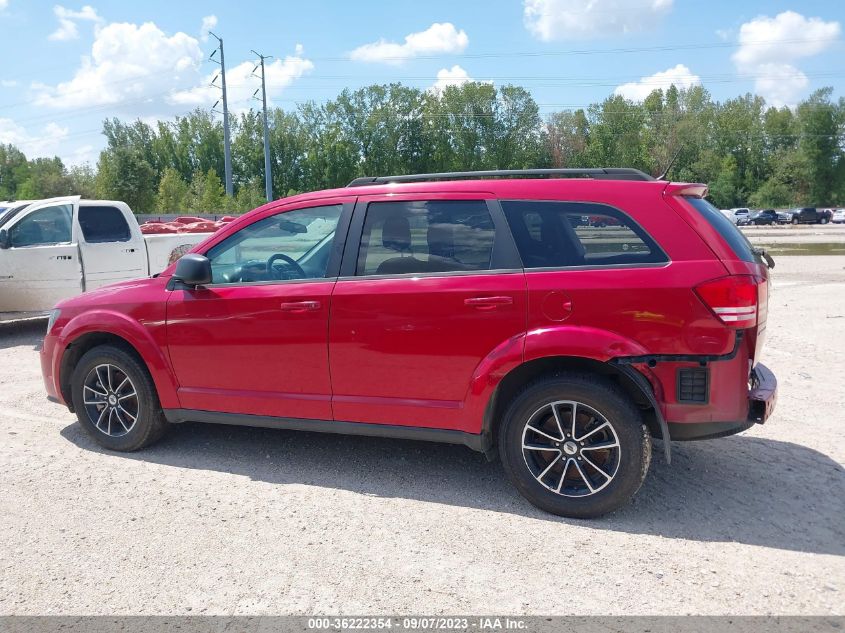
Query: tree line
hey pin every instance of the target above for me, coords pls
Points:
(749, 153)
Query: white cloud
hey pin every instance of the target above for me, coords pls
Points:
(454, 76)
(8, 83)
(3, 4)
(45, 143)
(81, 155)
(241, 83)
(127, 62)
(680, 76)
(208, 23)
(550, 20)
(770, 47)
(436, 39)
(68, 18)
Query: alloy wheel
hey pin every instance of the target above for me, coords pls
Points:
(111, 400)
(570, 448)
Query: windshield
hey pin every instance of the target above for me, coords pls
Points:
(8, 213)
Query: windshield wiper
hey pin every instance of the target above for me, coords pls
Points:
(765, 255)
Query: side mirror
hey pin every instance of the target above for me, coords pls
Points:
(4, 239)
(193, 270)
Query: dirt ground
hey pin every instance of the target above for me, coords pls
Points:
(229, 520)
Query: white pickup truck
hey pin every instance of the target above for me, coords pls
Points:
(57, 248)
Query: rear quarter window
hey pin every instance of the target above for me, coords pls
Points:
(552, 234)
(739, 244)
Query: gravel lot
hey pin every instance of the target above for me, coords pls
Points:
(229, 520)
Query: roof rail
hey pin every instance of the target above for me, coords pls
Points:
(599, 173)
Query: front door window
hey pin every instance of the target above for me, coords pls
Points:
(291, 245)
(50, 225)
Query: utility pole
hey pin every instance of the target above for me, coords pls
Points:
(268, 174)
(227, 148)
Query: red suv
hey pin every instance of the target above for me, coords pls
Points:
(564, 317)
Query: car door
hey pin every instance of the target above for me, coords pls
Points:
(111, 249)
(430, 286)
(39, 261)
(255, 340)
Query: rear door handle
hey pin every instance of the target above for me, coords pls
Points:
(300, 306)
(488, 303)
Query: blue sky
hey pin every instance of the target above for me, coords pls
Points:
(68, 66)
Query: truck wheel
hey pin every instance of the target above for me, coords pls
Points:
(823, 221)
(575, 445)
(115, 400)
(795, 220)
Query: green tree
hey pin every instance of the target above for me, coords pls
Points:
(46, 178)
(567, 134)
(172, 192)
(124, 174)
(82, 181)
(820, 122)
(14, 169)
(249, 196)
(207, 194)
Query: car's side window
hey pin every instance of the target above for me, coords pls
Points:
(50, 225)
(426, 236)
(289, 245)
(103, 224)
(552, 234)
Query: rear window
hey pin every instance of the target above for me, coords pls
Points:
(103, 224)
(739, 244)
(552, 234)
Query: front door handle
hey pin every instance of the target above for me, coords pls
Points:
(300, 306)
(488, 303)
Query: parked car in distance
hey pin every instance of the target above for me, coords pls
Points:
(803, 215)
(56, 248)
(838, 216)
(762, 217)
(737, 214)
(465, 308)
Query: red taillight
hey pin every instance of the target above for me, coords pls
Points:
(733, 299)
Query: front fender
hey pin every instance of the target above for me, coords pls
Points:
(147, 338)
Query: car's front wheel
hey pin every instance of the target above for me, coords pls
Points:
(575, 445)
(115, 400)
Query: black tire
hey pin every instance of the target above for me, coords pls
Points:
(795, 220)
(631, 459)
(149, 424)
(823, 221)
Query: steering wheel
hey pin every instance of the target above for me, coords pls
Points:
(290, 262)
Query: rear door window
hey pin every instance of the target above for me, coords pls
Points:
(730, 233)
(426, 236)
(103, 224)
(553, 234)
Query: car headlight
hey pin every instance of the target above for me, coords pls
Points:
(54, 315)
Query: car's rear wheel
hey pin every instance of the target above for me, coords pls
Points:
(823, 221)
(795, 220)
(115, 400)
(575, 445)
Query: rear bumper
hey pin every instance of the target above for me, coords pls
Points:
(762, 398)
